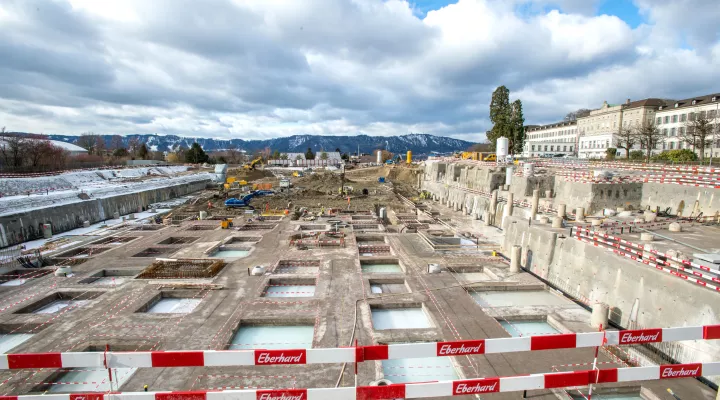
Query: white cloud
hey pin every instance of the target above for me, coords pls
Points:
(262, 68)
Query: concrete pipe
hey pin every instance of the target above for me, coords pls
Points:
(599, 315)
(486, 218)
(557, 222)
(535, 203)
(649, 216)
(515, 259)
(203, 215)
(493, 200)
(647, 237)
(596, 222)
(580, 214)
(548, 194)
(562, 210)
(675, 227)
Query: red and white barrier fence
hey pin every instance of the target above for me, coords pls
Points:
(461, 387)
(216, 358)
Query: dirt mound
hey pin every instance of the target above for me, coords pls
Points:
(321, 182)
(252, 175)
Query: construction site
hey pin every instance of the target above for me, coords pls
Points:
(447, 278)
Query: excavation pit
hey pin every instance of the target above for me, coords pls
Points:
(366, 227)
(257, 227)
(381, 266)
(182, 269)
(148, 227)
(20, 277)
(372, 250)
(290, 288)
(59, 301)
(243, 239)
(386, 286)
(272, 335)
(114, 240)
(399, 316)
(517, 298)
(362, 217)
(9, 341)
(537, 327)
(171, 302)
(370, 240)
(313, 227)
(82, 252)
(230, 252)
(202, 227)
(109, 277)
(179, 240)
(156, 252)
(299, 267)
(426, 369)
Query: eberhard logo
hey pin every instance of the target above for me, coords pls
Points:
(680, 371)
(461, 348)
(476, 386)
(646, 336)
(279, 357)
(282, 395)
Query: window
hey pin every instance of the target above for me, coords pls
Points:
(702, 115)
(683, 117)
(545, 147)
(607, 143)
(672, 145)
(667, 119)
(691, 116)
(665, 132)
(672, 132)
(681, 130)
(564, 148)
(674, 118)
(552, 148)
(659, 121)
(533, 148)
(571, 148)
(664, 146)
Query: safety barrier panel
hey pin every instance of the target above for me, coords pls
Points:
(216, 358)
(460, 387)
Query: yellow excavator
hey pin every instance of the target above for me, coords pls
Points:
(251, 165)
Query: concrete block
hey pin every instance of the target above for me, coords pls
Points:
(515, 259)
(557, 222)
(580, 214)
(543, 219)
(649, 216)
(647, 237)
(548, 194)
(620, 209)
(639, 220)
(131, 216)
(599, 315)
(562, 210)
(486, 218)
(86, 224)
(596, 222)
(116, 215)
(675, 227)
(203, 215)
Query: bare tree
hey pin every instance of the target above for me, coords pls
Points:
(232, 154)
(626, 139)
(87, 141)
(574, 115)
(116, 142)
(649, 137)
(12, 149)
(133, 146)
(38, 151)
(99, 145)
(698, 133)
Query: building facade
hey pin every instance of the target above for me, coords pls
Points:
(597, 130)
(673, 120)
(551, 140)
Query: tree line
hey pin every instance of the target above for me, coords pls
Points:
(21, 154)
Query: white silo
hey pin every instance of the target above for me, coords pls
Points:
(501, 148)
(379, 156)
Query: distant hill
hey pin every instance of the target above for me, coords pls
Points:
(418, 143)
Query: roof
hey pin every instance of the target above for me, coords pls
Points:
(698, 101)
(532, 128)
(645, 103)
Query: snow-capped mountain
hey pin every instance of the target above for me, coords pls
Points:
(418, 143)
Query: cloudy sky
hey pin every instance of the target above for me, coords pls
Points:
(264, 68)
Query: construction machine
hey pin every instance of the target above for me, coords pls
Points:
(244, 202)
(251, 165)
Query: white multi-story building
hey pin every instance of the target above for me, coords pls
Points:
(673, 120)
(550, 140)
(598, 131)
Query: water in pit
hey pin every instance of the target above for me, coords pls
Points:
(273, 337)
(93, 380)
(290, 291)
(400, 318)
(12, 340)
(230, 253)
(58, 305)
(528, 328)
(522, 298)
(173, 306)
(382, 268)
(467, 277)
(14, 282)
(109, 281)
(419, 370)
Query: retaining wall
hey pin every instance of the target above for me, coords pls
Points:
(24, 226)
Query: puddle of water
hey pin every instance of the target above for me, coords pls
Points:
(518, 298)
(12, 340)
(376, 289)
(110, 281)
(230, 253)
(273, 337)
(174, 306)
(400, 318)
(419, 369)
(382, 268)
(58, 305)
(14, 282)
(290, 291)
(528, 328)
(93, 380)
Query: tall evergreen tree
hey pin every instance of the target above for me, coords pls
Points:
(309, 155)
(196, 154)
(517, 140)
(500, 115)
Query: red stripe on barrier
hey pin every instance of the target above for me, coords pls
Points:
(37, 360)
(379, 392)
(564, 379)
(553, 342)
(711, 332)
(461, 348)
(280, 357)
(8, 398)
(178, 359)
(379, 352)
(180, 396)
(680, 371)
(476, 386)
(282, 394)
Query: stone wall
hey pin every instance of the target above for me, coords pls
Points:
(24, 226)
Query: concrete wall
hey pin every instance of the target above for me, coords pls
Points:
(681, 198)
(601, 276)
(24, 226)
